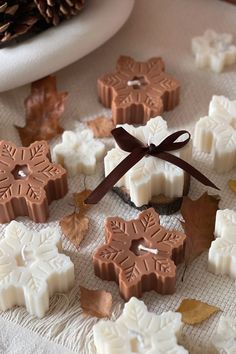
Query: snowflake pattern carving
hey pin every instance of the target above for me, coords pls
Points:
(137, 91)
(139, 331)
(29, 181)
(32, 268)
(137, 271)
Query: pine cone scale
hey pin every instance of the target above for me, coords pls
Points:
(12, 10)
(17, 18)
(55, 11)
(22, 17)
(3, 7)
(3, 28)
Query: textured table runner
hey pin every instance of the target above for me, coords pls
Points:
(155, 28)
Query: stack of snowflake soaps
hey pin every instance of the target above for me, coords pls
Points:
(152, 172)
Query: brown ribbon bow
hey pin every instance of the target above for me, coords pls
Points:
(138, 150)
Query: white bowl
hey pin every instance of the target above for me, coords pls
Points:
(58, 47)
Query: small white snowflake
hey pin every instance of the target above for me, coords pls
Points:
(224, 340)
(150, 176)
(79, 152)
(216, 133)
(139, 331)
(222, 253)
(32, 269)
(214, 50)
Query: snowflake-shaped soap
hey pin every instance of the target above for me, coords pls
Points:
(29, 181)
(140, 255)
(214, 50)
(224, 339)
(222, 253)
(216, 133)
(32, 268)
(150, 176)
(138, 91)
(79, 152)
(139, 331)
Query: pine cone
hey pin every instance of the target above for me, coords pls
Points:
(17, 18)
(54, 11)
(231, 1)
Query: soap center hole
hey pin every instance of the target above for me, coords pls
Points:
(139, 247)
(137, 82)
(137, 344)
(26, 257)
(20, 172)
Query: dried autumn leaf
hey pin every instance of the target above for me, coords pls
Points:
(43, 108)
(232, 185)
(195, 311)
(75, 227)
(79, 199)
(96, 303)
(199, 224)
(101, 126)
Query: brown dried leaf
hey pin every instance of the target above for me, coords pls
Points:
(101, 126)
(96, 303)
(195, 311)
(79, 199)
(232, 185)
(43, 108)
(199, 224)
(75, 227)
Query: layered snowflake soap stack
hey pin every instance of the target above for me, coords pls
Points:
(151, 181)
(222, 252)
(215, 133)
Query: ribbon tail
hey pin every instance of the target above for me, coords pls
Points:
(125, 165)
(186, 167)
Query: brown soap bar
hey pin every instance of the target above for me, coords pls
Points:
(140, 255)
(29, 181)
(138, 91)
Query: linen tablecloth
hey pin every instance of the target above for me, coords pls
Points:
(156, 28)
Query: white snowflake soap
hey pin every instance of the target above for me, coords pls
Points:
(222, 253)
(32, 268)
(79, 152)
(224, 339)
(215, 134)
(151, 176)
(214, 50)
(139, 331)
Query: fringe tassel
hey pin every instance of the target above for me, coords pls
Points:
(64, 323)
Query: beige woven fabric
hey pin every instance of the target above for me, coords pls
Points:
(155, 28)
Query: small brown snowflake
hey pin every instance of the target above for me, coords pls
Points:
(29, 181)
(140, 255)
(138, 91)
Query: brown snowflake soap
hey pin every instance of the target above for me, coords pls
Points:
(140, 255)
(29, 181)
(137, 91)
